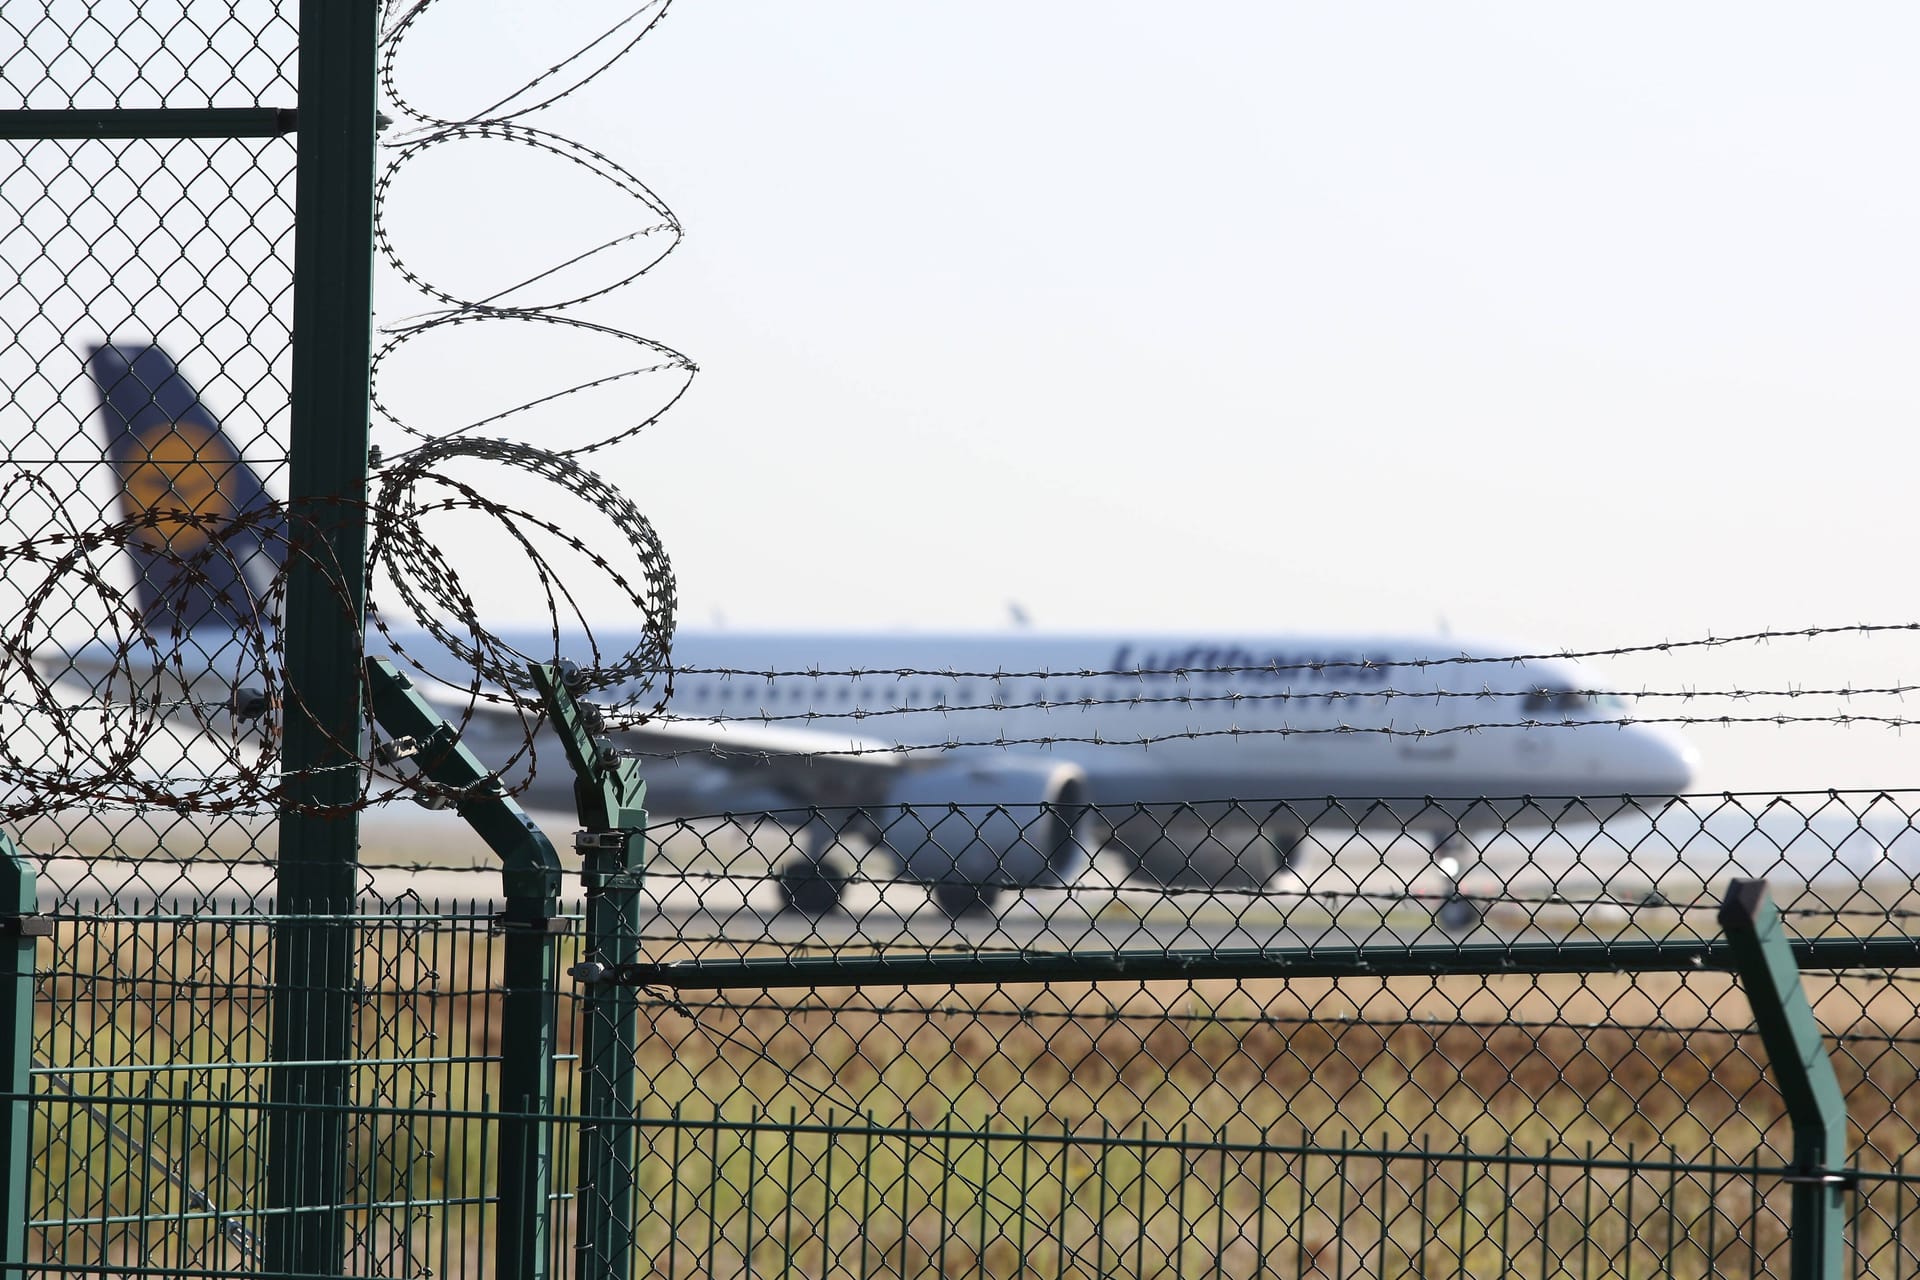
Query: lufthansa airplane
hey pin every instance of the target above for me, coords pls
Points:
(1025, 731)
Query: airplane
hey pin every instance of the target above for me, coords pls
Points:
(974, 760)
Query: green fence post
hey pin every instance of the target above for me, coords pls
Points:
(313, 987)
(19, 903)
(527, 1027)
(610, 797)
(1763, 958)
(531, 879)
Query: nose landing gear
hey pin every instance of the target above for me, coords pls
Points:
(1456, 913)
(810, 888)
(957, 898)
(810, 883)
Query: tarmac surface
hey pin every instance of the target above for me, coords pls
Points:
(706, 886)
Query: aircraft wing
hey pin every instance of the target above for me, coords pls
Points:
(729, 760)
(799, 767)
(809, 766)
(189, 679)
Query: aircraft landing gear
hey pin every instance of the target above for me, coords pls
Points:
(1456, 913)
(959, 898)
(1208, 849)
(1285, 841)
(810, 888)
(810, 883)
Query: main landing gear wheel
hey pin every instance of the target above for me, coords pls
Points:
(1285, 842)
(810, 888)
(1457, 914)
(959, 898)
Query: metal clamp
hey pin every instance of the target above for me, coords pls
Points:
(505, 923)
(397, 750)
(599, 849)
(26, 927)
(633, 881)
(595, 973)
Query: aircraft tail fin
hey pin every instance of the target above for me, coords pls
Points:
(175, 465)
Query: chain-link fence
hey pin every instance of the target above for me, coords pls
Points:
(1304, 1076)
(146, 217)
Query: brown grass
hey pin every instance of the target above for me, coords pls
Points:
(988, 1131)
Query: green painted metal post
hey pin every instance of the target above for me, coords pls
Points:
(1764, 960)
(529, 1007)
(19, 931)
(313, 997)
(610, 797)
(522, 1232)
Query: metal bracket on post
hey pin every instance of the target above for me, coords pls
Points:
(531, 868)
(610, 797)
(1763, 958)
(531, 876)
(606, 786)
(19, 900)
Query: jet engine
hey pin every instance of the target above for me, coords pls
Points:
(969, 832)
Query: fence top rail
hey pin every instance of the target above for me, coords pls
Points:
(961, 968)
(147, 122)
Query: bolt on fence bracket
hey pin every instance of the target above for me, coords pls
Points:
(607, 789)
(531, 867)
(612, 841)
(1763, 959)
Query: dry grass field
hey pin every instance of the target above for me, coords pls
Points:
(1544, 1126)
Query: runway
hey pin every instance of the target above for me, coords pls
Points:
(705, 887)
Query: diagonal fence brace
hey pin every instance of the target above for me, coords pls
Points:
(530, 867)
(529, 1012)
(1764, 960)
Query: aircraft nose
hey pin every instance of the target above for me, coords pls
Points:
(1670, 762)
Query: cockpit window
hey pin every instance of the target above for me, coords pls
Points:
(1556, 702)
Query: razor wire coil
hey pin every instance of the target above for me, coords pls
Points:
(126, 708)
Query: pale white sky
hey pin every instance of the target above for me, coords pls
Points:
(1569, 327)
(1579, 327)
(1260, 315)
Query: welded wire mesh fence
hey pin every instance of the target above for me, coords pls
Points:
(1443, 1111)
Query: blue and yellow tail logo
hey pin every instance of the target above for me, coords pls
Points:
(176, 466)
(185, 468)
